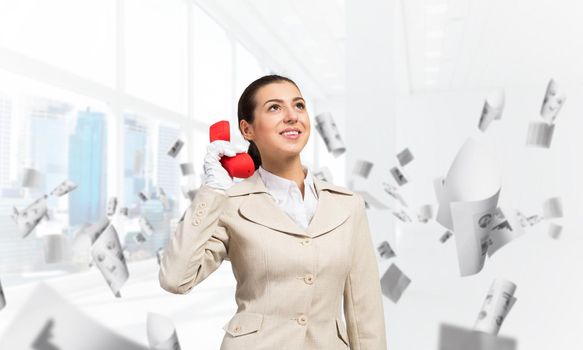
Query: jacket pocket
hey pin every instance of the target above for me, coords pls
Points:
(243, 323)
(341, 331)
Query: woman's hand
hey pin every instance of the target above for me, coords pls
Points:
(215, 175)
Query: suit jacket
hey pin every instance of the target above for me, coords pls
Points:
(291, 283)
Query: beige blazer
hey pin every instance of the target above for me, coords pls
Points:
(291, 283)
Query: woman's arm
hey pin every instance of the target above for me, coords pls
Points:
(199, 244)
(363, 304)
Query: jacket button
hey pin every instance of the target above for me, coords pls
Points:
(200, 213)
(306, 241)
(309, 279)
(237, 329)
(202, 204)
(196, 222)
(302, 320)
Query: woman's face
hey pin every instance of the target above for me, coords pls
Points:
(279, 106)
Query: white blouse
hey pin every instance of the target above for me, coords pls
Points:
(288, 196)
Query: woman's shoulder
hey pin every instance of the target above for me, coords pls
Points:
(326, 185)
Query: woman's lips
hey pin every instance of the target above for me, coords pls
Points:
(291, 135)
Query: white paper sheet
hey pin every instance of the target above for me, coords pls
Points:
(94, 230)
(458, 338)
(385, 250)
(443, 212)
(405, 157)
(138, 169)
(324, 174)
(48, 322)
(161, 333)
(399, 175)
(111, 206)
(553, 208)
(27, 219)
(471, 228)
(555, 230)
(56, 248)
(143, 196)
(528, 220)
(108, 255)
(139, 238)
(394, 282)
(401, 215)
(163, 199)
(394, 192)
(467, 200)
(553, 101)
(493, 108)
(31, 178)
(370, 200)
(445, 236)
(505, 228)
(63, 188)
(496, 306)
(425, 213)
(187, 169)
(540, 134)
(2, 297)
(175, 149)
(362, 168)
(145, 226)
(329, 132)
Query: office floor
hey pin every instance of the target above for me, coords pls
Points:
(198, 316)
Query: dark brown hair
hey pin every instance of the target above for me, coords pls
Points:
(247, 105)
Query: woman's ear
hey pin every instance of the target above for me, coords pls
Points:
(246, 130)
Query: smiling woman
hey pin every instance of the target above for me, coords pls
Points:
(270, 107)
(288, 235)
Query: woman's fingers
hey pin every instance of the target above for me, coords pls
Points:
(232, 149)
(240, 148)
(225, 148)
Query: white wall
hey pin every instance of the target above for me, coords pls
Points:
(370, 107)
(548, 273)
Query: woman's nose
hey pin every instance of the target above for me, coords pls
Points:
(290, 115)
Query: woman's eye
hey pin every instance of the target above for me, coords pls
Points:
(300, 105)
(273, 107)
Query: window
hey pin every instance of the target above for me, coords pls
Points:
(137, 164)
(213, 95)
(98, 98)
(74, 35)
(248, 69)
(156, 51)
(168, 171)
(61, 135)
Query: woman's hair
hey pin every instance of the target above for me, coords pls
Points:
(247, 105)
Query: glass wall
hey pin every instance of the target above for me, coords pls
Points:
(97, 95)
(58, 135)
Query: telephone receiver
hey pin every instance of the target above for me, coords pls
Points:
(241, 165)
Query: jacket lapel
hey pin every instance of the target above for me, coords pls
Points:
(332, 209)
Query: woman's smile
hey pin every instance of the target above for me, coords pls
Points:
(291, 133)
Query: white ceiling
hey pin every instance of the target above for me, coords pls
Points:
(467, 44)
(440, 44)
(301, 38)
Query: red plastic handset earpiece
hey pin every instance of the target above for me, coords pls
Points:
(241, 165)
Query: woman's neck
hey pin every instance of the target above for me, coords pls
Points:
(288, 169)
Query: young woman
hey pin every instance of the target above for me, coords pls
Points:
(300, 248)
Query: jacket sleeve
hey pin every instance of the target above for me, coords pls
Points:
(199, 245)
(363, 304)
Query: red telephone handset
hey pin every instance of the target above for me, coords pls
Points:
(241, 165)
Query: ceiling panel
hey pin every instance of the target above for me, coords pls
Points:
(465, 44)
(301, 36)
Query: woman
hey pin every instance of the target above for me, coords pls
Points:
(297, 245)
